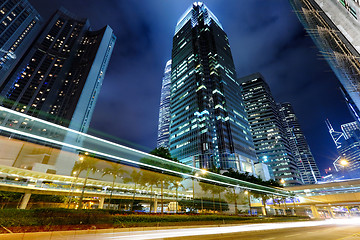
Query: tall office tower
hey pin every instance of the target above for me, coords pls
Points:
(348, 146)
(19, 25)
(268, 132)
(304, 159)
(60, 76)
(334, 25)
(208, 122)
(164, 113)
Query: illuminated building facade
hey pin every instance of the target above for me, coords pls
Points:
(334, 25)
(164, 113)
(60, 76)
(19, 25)
(348, 146)
(268, 131)
(208, 126)
(304, 159)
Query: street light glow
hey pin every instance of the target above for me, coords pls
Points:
(344, 162)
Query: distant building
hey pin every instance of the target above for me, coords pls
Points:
(348, 146)
(164, 113)
(334, 25)
(304, 159)
(19, 25)
(268, 131)
(208, 126)
(60, 77)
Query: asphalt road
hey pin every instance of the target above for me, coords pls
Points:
(339, 229)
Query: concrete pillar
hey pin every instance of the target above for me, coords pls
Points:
(101, 202)
(263, 211)
(284, 209)
(315, 211)
(331, 212)
(155, 205)
(293, 212)
(25, 200)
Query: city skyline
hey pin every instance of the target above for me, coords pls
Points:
(139, 124)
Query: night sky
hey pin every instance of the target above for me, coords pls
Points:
(265, 36)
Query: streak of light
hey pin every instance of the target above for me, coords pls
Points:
(186, 232)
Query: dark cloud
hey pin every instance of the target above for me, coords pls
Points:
(265, 36)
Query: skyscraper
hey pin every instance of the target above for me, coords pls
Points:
(208, 126)
(304, 159)
(267, 128)
(164, 113)
(348, 146)
(334, 25)
(60, 76)
(19, 25)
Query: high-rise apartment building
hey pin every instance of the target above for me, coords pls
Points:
(208, 126)
(19, 25)
(164, 113)
(60, 76)
(334, 25)
(267, 128)
(304, 159)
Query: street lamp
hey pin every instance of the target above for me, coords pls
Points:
(282, 181)
(344, 162)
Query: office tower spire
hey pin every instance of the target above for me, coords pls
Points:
(209, 126)
(164, 113)
(60, 77)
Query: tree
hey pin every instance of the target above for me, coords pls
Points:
(164, 153)
(151, 179)
(250, 178)
(264, 197)
(232, 196)
(176, 183)
(86, 163)
(115, 171)
(137, 179)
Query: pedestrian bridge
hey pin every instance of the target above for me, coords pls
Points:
(40, 157)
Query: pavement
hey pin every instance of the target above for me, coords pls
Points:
(332, 229)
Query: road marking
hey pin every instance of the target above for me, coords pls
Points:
(354, 236)
(293, 235)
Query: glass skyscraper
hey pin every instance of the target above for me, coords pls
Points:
(208, 126)
(348, 146)
(60, 76)
(267, 128)
(334, 25)
(164, 113)
(304, 159)
(19, 25)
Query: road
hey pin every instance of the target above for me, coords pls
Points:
(334, 229)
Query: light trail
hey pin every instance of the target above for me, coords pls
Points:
(186, 232)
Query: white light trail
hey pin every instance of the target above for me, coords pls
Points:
(186, 232)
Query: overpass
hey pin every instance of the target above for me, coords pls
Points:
(326, 197)
(35, 152)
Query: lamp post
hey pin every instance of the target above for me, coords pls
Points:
(177, 187)
(193, 182)
(248, 195)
